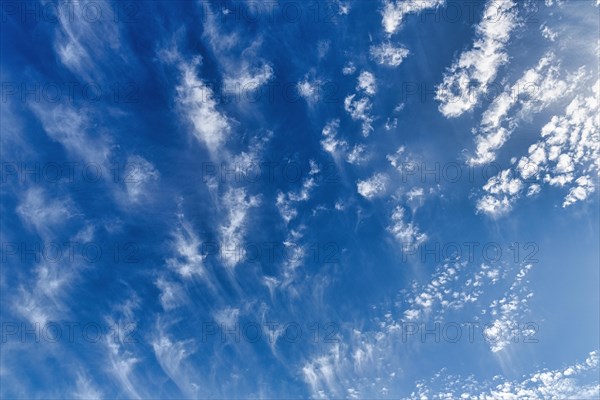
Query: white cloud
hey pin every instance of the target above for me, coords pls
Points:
(285, 207)
(44, 213)
(502, 189)
(330, 142)
(121, 363)
(172, 294)
(454, 285)
(373, 187)
(237, 204)
(494, 206)
(86, 390)
(72, 129)
(397, 158)
(343, 7)
(323, 48)
(197, 103)
(567, 155)
(120, 353)
(83, 44)
(237, 54)
(220, 40)
(394, 12)
(388, 54)
(584, 187)
(435, 294)
(339, 148)
(321, 372)
(533, 190)
(364, 362)
(349, 68)
(538, 88)
(508, 311)
(577, 381)
(248, 79)
(471, 74)
(357, 155)
(227, 318)
(391, 124)
(139, 175)
(42, 300)
(285, 201)
(548, 33)
(309, 89)
(187, 260)
(171, 356)
(406, 233)
(367, 83)
(360, 110)
(503, 183)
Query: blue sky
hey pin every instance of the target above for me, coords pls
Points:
(332, 199)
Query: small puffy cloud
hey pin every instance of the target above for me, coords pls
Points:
(584, 187)
(309, 89)
(406, 233)
(330, 141)
(494, 206)
(340, 148)
(533, 190)
(391, 123)
(576, 381)
(548, 33)
(388, 54)
(359, 107)
(349, 68)
(415, 197)
(503, 183)
(285, 202)
(507, 311)
(286, 209)
(357, 155)
(366, 83)
(360, 110)
(248, 79)
(373, 187)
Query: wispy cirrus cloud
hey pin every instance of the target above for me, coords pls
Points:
(469, 77)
